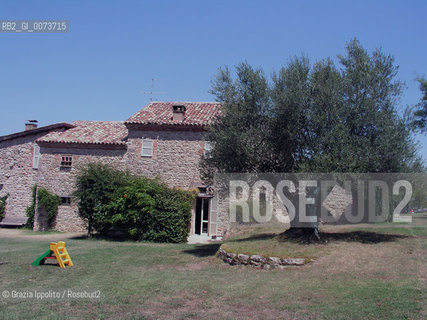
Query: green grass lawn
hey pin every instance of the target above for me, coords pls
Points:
(348, 278)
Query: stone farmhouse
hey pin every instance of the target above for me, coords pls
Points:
(163, 139)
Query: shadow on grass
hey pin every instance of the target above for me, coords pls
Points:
(82, 237)
(50, 264)
(107, 237)
(204, 250)
(261, 236)
(366, 237)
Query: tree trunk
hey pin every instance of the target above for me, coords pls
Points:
(304, 234)
(305, 231)
(89, 229)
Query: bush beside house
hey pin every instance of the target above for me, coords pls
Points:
(145, 209)
(2, 206)
(31, 209)
(48, 201)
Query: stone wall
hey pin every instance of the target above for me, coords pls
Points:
(223, 216)
(336, 203)
(17, 176)
(61, 181)
(258, 261)
(175, 160)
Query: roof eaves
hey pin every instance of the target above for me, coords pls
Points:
(142, 122)
(37, 130)
(79, 143)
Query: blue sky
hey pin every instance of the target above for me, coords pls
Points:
(101, 67)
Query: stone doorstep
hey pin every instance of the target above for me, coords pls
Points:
(194, 239)
(258, 261)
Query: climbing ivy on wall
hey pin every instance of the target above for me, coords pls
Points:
(3, 205)
(46, 200)
(30, 211)
(50, 203)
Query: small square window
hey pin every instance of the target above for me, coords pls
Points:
(147, 148)
(66, 161)
(65, 201)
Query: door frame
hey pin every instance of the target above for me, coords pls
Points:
(194, 219)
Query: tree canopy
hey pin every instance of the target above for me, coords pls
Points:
(420, 114)
(312, 117)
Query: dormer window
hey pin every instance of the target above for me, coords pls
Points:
(178, 112)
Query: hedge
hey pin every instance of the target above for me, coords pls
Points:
(146, 209)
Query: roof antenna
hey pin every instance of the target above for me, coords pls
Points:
(151, 90)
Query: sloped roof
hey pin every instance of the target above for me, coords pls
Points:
(161, 113)
(90, 133)
(56, 126)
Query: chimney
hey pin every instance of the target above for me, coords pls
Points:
(178, 113)
(31, 125)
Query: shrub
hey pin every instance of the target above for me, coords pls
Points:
(50, 203)
(3, 206)
(171, 217)
(128, 208)
(31, 209)
(146, 209)
(96, 183)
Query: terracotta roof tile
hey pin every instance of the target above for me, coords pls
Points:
(52, 127)
(161, 113)
(90, 132)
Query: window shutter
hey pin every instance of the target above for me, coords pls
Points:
(213, 217)
(147, 148)
(36, 156)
